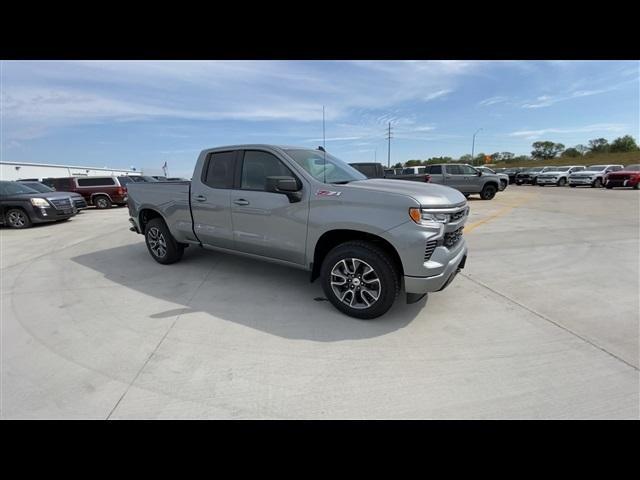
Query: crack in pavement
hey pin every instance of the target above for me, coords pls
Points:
(160, 342)
(544, 317)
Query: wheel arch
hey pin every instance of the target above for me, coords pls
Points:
(332, 238)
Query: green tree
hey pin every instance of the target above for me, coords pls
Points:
(506, 156)
(397, 165)
(624, 144)
(571, 152)
(465, 158)
(582, 149)
(546, 150)
(413, 163)
(599, 145)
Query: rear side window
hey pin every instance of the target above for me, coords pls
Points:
(257, 166)
(95, 182)
(219, 172)
(435, 170)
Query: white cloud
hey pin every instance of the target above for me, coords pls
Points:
(492, 101)
(599, 127)
(438, 94)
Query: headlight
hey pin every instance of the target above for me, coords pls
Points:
(39, 202)
(423, 217)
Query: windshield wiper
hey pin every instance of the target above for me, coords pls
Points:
(341, 182)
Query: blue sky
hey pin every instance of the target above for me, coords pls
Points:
(126, 113)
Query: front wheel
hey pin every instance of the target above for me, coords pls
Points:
(503, 185)
(17, 218)
(597, 183)
(360, 279)
(161, 244)
(572, 186)
(488, 192)
(562, 182)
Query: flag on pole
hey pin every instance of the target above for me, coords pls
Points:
(164, 168)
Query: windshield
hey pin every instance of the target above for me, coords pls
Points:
(562, 169)
(595, 168)
(536, 169)
(332, 169)
(15, 188)
(39, 187)
(124, 180)
(635, 167)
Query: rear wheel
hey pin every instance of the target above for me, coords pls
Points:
(562, 182)
(503, 184)
(102, 202)
(597, 183)
(17, 218)
(488, 192)
(572, 186)
(161, 244)
(360, 279)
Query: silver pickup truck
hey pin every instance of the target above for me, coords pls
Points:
(364, 238)
(465, 178)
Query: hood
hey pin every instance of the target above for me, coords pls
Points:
(625, 172)
(426, 194)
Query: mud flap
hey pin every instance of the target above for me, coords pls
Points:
(415, 297)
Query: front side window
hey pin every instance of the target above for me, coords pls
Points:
(219, 172)
(257, 166)
(14, 188)
(436, 170)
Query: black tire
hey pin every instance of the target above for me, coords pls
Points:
(572, 186)
(541, 184)
(609, 187)
(17, 218)
(503, 185)
(488, 192)
(161, 244)
(562, 182)
(102, 202)
(383, 268)
(636, 186)
(597, 183)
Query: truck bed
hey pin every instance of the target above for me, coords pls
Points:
(171, 199)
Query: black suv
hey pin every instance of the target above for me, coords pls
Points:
(21, 206)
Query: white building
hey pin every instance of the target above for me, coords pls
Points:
(23, 171)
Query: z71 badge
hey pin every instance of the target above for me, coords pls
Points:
(327, 193)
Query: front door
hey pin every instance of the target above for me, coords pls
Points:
(267, 223)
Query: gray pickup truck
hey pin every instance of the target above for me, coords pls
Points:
(465, 178)
(364, 238)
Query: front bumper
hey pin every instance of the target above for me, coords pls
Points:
(614, 182)
(420, 285)
(580, 181)
(547, 181)
(50, 214)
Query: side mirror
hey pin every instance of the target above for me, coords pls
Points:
(479, 173)
(288, 186)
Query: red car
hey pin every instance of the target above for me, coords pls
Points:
(629, 176)
(103, 192)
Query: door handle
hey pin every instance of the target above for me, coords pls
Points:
(200, 198)
(241, 201)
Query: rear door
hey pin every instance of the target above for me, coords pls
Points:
(210, 200)
(267, 223)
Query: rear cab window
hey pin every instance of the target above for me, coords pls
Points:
(219, 170)
(96, 182)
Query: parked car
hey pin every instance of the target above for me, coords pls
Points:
(22, 206)
(559, 176)
(530, 175)
(465, 178)
(629, 176)
(512, 172)
(78, 200)
(102, 192)
(304, 208)
(504, 178)
(376, 170)
(592, 176)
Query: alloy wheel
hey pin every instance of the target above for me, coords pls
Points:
(157, 242)
(355, 283)
(17, 219)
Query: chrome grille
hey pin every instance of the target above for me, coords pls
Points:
(451, 238)
(428, 251)
(459, 215)
(61, 203)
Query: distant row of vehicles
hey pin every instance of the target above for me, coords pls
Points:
(39, 200)
(595, 176)
(465, 178)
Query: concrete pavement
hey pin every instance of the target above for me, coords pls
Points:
(543, 323)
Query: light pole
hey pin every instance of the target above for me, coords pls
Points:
(473, 145)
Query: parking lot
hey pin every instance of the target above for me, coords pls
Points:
(541, 323)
